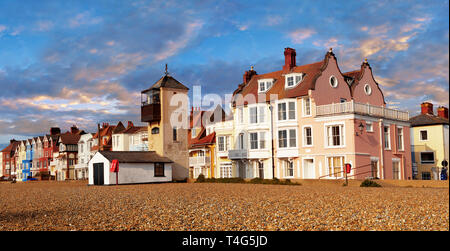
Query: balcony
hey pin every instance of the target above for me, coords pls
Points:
(150, 112)
(238, 154)
(199, 161)
(362, 109)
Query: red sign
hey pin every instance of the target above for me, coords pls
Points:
(114, 166)
(348, 167)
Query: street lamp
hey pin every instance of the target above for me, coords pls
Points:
(361, 128)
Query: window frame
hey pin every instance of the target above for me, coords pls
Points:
(371, 126)
(389, 147)
(305, 136)
(341, 137)
(158, 174)
(335, 78)
(288, 138)
(304, 110)
(402, 141)
(294, 79)
(427, 162)
(420, 135)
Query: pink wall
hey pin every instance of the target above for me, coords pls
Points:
(325, 94)
(360, 96)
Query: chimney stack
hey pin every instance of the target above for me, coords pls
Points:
(74, 129)
(442, 112)
(130, 124)
(55, 131)
(248, 75)
(289, 59)
(427, 108)
(99, 138)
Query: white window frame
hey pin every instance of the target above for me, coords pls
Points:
(342, 138)
(260, 114)
(287, 102)
(371, 126)
(389, 137)
(337, 82)
(225, 144)
(304, 111)
(285, 165)
(268, 83)
(434, 158)
(288, 137)
(368, 93)
(294, 76)
(304, 136)
(420, 135)
(403, 138)
(328, 166)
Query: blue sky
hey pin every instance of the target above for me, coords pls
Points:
(84, 62)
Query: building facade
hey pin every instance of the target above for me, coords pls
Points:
(307, 122)
(168, 122)
(430, 142)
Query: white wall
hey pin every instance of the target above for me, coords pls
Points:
(129, 173)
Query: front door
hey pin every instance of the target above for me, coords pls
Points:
(374, 169)
(261, 170)
(242, 170)
(309, 170)
(98, 174)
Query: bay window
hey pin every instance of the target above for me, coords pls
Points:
(284, 135)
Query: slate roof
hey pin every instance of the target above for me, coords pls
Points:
(167, 81)
(427, 119)
(135, 157)
(69, 138)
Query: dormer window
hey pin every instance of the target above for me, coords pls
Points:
(367, 89)
(293, 79)
(264, 85)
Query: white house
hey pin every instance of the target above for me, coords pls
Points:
(133, 138)
(134, 167)
(84, 155)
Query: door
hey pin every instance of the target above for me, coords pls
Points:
(241, 169)
(98, 174)
(374, 169)
(261, 170)
(308, 168)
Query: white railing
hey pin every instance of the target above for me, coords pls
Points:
(363, 109)
(199, 160)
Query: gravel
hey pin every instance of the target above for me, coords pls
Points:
(214, 206)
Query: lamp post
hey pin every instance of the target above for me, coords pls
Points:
(271, 132)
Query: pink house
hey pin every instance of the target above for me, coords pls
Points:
(319, 119)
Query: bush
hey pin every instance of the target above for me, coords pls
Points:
(369, 183)
(200, 178)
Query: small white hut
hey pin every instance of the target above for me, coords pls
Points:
(134, 167)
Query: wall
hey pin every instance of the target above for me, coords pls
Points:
(129, 173)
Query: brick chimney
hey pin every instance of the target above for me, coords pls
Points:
(289, 59)
(130, 124)
(12, 141)
(74, 129)
(248, 75)
(427, 108)
(442, 112)
(55, 131)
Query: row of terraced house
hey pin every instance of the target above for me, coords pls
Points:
(65, 156)
(300, 122)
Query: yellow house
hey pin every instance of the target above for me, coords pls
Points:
(21, 157)
(167, 122)
(430, 142)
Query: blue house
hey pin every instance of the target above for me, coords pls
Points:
(28, 162)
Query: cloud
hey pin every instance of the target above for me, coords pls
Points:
(299, 35)
(173, 46)
(84, 18)
(44, 25)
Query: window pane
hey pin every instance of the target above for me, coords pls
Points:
(254, 140)
(291, 110)
(307, 106)
(253, 115)
(282, 111)
(262, 140)
(290, 81)
(282, 138)
(292, 138)
(261, 114)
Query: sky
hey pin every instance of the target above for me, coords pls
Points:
(65, 63)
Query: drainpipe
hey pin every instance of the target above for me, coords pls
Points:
(380, 125)
(271, 132)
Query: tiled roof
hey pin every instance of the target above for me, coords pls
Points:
(311, 72)
(135, 157)
(70, 139)
(427, 119)
(201, 141)
(168, 82)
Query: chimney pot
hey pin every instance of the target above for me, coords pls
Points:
(427, 108)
